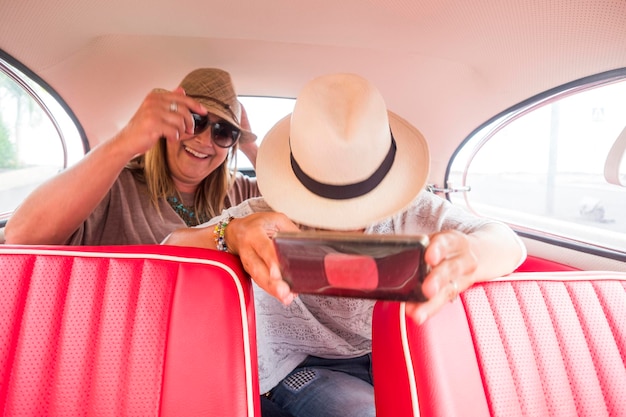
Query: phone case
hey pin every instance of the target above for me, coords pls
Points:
(386, 267)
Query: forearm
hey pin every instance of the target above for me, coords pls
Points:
(53, 211)
(197, 237)
(250, 151)
(498, 251)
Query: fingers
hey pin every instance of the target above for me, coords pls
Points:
(178, 109)
(452, 271)
(250, 238)
(168, 113)
(267, 276)
(420, 312)
(449, 256)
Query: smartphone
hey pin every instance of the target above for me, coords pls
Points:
(345, 264)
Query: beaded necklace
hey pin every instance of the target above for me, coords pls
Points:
(186, 213)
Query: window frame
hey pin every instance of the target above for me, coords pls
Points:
(26, 79)
(495, 124)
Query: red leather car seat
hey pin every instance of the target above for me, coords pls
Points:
(125, 330)
(530, 344)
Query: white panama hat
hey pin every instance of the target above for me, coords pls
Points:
(341, 160)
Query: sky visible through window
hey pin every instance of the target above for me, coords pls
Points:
(263, 113)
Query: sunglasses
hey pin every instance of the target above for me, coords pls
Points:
(223, 133)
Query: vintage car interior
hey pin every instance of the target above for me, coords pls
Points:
(523, 105)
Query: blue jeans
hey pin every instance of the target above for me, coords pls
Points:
(328, 388)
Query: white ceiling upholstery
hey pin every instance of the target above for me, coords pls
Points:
(445, 65)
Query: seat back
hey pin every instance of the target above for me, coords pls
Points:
(530, 344)
(126, 330)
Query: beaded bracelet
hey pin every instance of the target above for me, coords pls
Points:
(219, 232)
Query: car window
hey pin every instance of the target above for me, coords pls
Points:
(540, 167)
(37, 137)
(263, 113)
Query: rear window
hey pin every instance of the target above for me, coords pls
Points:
(263, 113)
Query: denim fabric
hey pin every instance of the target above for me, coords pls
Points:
(328, 388)
(271, 409)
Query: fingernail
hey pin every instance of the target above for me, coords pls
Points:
(420, 317)
(282, 290)
(288, 299)
(275, 272)
(284, 294)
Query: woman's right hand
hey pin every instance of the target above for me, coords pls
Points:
(161, 114)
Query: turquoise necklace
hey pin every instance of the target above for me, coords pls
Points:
(186, 213)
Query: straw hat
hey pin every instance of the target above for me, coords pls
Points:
(213, 88)
(332, 163)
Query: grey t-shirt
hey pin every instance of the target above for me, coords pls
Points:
(333, 327)
(126, 216)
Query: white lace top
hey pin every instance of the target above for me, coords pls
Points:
(332, 327)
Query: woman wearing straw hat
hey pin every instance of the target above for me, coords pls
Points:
(169, 167)
(341, 161)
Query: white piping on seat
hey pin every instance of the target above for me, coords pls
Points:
(564, 276)
(408, 361)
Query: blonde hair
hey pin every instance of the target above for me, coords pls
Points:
(153, 169)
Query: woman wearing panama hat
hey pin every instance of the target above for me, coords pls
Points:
(342, 161)
(169, 167)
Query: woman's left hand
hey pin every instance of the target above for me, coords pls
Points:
(452, 270)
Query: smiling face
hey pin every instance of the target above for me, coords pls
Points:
(194, 158)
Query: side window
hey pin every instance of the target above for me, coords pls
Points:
(37, 137)
(541, 167)
(263, 113)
